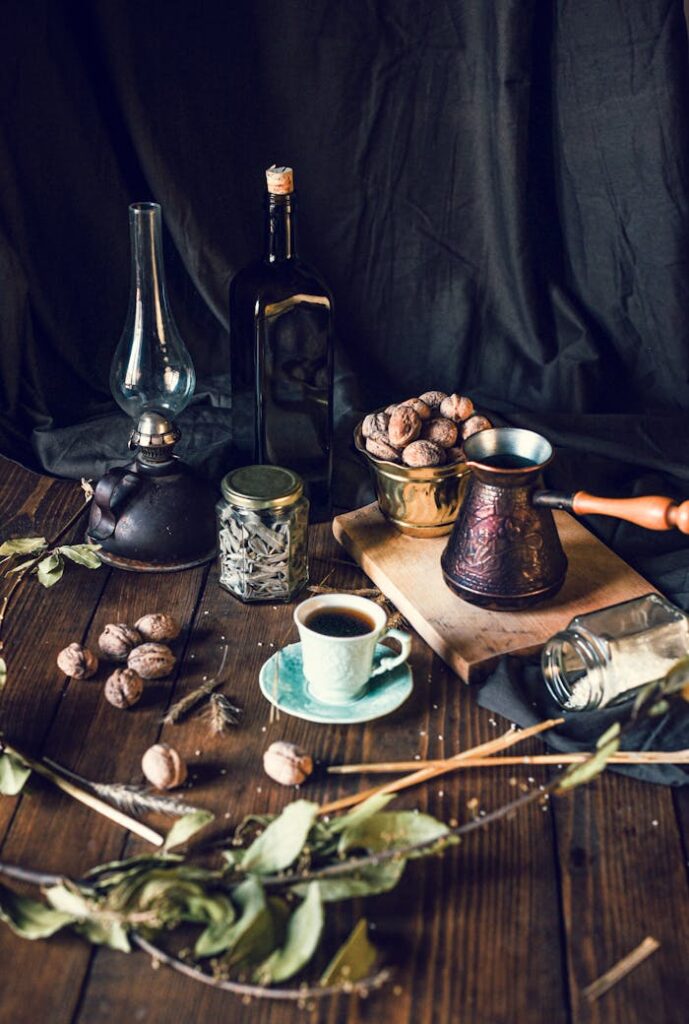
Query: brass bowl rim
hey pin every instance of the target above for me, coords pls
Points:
(413, 473)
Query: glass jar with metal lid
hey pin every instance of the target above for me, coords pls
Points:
(262, 528)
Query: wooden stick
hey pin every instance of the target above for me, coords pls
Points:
(84, 797)
(508, 739)
(621, 969)
(621, 757)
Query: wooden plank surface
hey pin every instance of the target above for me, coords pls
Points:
(467, 638)
(508, 927)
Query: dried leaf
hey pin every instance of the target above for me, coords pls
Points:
(282, 841)
(389, 830)
(21, 566)
(22, 545)
(187, 827)
(29, 918)
(252, 936)
(3, 674)
(355, 959)
(50, 570)
(303, 933)
(578, 774)
(13, 775)
(369, 880)
(82, 554)
(105, 933)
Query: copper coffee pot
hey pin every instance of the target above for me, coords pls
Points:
(504, 551)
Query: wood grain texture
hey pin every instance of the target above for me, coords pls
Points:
(467, 638)
(505, 929)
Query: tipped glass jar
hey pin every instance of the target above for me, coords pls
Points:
(263, 530)
(604, 657)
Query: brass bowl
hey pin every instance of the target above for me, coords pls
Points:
(420, 502)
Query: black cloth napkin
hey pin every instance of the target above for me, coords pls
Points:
(516, 690)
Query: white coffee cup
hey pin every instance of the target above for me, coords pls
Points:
(337, 668)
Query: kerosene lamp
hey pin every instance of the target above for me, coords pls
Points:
(154, 514)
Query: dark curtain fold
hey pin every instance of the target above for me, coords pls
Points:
(495, 190)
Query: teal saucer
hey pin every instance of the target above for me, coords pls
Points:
(282, 682)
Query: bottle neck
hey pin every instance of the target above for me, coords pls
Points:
(573, 667)
(148, 291)
(280, 228)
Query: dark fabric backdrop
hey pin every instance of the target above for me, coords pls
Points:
(496, 191)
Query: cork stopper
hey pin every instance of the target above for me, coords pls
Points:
(280, 180)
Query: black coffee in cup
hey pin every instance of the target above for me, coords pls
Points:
(340, 622)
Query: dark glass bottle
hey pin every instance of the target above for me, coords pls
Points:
(282, 354)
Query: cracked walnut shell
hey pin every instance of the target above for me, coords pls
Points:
(77, 661)
(124, 688)
(475, 424)
(433, 399)
(117, 640)
(423, 453)
(440, 431)
(404, 426)
(163, 766)
(152, 661)
(380, 448)
(456, 407)
(420, 407)
(158, 626)
(287, 764)
(375, 423)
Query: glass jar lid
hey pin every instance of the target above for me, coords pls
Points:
(258, 487)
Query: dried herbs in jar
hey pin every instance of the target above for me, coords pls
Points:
(263, 525)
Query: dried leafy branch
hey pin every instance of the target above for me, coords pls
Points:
(47, 562)
(260, 914)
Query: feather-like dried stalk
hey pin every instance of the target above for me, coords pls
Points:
(221, 713)
(137, 800)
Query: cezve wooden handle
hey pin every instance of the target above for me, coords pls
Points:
(652, 512)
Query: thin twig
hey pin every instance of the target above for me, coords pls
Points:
(132, 799)
(621, 969)
(299, 995)
(354, 865)
(85, 797)
(621, 757)
(21, 576)
(451, 764)
(184, 706)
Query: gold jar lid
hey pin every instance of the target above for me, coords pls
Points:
(259, 487)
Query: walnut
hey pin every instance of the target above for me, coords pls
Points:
(375, 422)
(158, 626)
(456, 407)
(474, 424)
(433, 398)
(455, 455)
(419, 407)
(77, 661)
(404, 426)
(152, 661)
(381, 449)
(163, 766)
(287, 763)
(124, 688)
(117, 640)
(440, 431)
(423, 453)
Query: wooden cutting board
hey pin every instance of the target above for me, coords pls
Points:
(470, 639)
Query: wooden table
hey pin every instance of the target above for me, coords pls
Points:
(508, 927)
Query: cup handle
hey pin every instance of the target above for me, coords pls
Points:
(404, 640)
